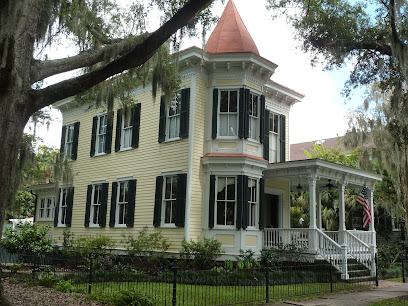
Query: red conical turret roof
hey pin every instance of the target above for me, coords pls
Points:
(230, 35)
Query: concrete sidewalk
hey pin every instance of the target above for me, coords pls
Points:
(385, 290)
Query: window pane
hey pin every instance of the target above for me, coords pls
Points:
(233, 125)
(172, 127)
(167, 213)
(168, 188)
(224, 102)
(95, 219)
(231, 188)
(126, 191)
(223, 125)
(220, 213)
(233, 101)
(63, 214)
(121, 217)
(221, 188)
(276, 121)
(173, 211)
(174, 187)
(230, 213)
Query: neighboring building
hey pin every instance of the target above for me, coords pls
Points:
(297, 149)
(209, 162)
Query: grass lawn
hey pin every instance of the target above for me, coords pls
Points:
(392, 302)
(211, 295)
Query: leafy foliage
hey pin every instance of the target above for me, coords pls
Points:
(132, 298)
(27, 239)
(201, 253)
(152, 245)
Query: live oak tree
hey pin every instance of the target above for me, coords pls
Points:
(108, 40)
(372, 37)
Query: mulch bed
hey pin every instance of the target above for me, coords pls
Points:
(21, 295)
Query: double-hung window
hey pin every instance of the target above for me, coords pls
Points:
(101, 134)
(253, 116)
(122, 203)
(228, 113)
(173, 117)
(126, 135)
(69, 140)
(274, 137)
(169, 200)
(46, 209)
(252, 201)
(62, 211)
(225, 201)
(63, 207)
(95, 213)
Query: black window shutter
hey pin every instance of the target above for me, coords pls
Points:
(158, 201)
(104, 205)
(181, 199)
(64, 131)
(240, 186)
(109, 127)
(282, 138)
(112, 215)
(245, 206)
(118, 129)
(184, 112)
(130, 209)
(211, 203)
(88, 205)
(70, 205)
(93, 139)
(214, 114)
(261, 204)
(241, 115)
(136, 124)
(162, 120)
(35, 209)
(262, 120)
(56, 211)
(266, 133)
(246, 113)
(74, 152)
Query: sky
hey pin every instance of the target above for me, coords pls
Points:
(321, 114)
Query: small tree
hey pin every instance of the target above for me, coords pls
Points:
(28, 239)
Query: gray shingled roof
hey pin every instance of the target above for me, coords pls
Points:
(296, 149)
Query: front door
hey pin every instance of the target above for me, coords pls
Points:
(271, 211)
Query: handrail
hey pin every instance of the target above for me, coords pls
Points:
(364, 236)
(330, 250)
(359, 250)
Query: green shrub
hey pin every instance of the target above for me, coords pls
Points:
(27, 239)
(64, 286)
(246, 259)
(16, 267)
(47, 279)
(131, 298)
(202, 253)
(13, 280)
(152, 245)
(284, 253)
(388, 254)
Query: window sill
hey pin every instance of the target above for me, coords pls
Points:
(61, 225)
(44, 220)
(228, 137)
(120, 226)
(168, 226)
(225, 227)
(125, 149)
(99, 154)
(94, 225)
(173, 139)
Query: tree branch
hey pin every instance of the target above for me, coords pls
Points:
(134, 58)
(43, 69)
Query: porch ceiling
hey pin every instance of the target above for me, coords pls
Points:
(299, 171)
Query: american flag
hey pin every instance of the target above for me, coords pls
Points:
(362, 199)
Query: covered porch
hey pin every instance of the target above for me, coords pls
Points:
(313, 175)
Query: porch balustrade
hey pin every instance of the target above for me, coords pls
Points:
(278, 237)
(364, 236)
(359, 250)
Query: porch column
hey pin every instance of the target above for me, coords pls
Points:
(319, 209)
(312, 210)
(342, 213)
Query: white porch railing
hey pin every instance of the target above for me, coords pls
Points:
(277, 237)
(334, 235)
(330, 250)
(359, 250)
(364, 236)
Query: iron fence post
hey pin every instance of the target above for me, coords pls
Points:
(35, 266)
(376, 269)
(174, 268)
(403, 268)
(267, 282)
(90, 274)
(331, 275)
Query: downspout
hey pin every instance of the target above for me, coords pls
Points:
(190, 158)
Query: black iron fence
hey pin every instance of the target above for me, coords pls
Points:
(176, 282)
